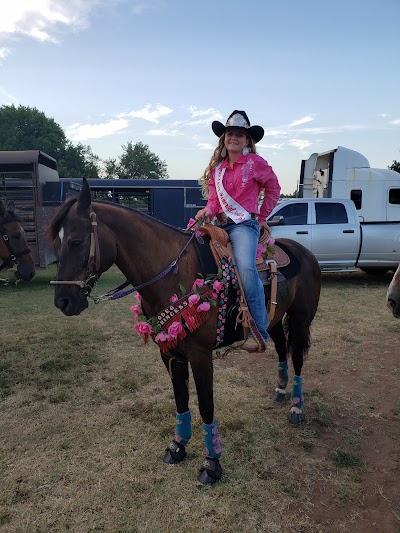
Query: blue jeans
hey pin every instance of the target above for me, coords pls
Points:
(244, 239)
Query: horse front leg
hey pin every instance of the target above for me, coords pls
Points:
(278, 336)
(179, 373)
(202, 368)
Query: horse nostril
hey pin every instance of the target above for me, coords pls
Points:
(391, 303)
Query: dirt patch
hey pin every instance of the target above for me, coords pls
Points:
(364, 426)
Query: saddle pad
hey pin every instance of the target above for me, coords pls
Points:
(280, 257)
(291, 269)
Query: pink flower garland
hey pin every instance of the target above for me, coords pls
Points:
(149, 327)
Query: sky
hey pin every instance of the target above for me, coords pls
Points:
(315, 74)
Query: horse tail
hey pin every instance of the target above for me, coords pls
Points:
(298, 337)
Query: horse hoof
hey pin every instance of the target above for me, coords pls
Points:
(279, 397)
(210, 472)
(296, 419)
(175, 453)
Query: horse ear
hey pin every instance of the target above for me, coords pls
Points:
(85, 198)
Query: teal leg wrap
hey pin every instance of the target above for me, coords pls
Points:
(297, 398)
(212, 444)
(183, 430)
(283, 376)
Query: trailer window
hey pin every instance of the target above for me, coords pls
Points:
(356, 196)
(330, 213)
(394, 196)
(293, 214)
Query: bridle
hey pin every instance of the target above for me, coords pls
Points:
(12, 260)
(93, 265)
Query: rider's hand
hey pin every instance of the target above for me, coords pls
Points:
(202, 213)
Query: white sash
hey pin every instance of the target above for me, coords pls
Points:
(230, 207)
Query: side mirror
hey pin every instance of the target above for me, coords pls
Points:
(276, 221)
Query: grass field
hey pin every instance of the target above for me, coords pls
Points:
(86, 412)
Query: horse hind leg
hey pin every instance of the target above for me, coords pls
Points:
(278, 336)
(298, 345)
(179, 373)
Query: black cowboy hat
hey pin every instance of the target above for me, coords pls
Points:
(238, 119)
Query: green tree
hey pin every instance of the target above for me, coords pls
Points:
(78, 162)
(111, 169)
(395, 166)
(27, 128)
(138, 162)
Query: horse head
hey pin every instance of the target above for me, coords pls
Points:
(393, 294)
(14, 251)
(84, 248)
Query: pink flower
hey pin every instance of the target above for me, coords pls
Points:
(175, 328)
(138, 297)
(217, 286)
(136, 310)
(193, 299)
(205, 306)
(162, 337)
(174, 298)
(192, 225)
(271, 242)
(143, 328)
(260, 251)
(191, 222)
(198, 283)
(214, 295)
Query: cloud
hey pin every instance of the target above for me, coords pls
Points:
(395, 122)
(142, 6)
(210, 112)
(4, 52)
(276, 146)
(148, 114)
(83, 132)
(163, 133)
(205, 146)
(301, 121)
(43, 20)
(6, 98)
(300, 143)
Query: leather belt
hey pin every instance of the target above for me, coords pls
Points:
(230, 221)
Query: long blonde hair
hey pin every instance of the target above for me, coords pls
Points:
(216, 158)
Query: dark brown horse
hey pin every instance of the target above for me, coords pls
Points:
(393, 294)
(94, 236)
(14, 252)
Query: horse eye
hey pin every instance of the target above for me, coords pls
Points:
(75, 243)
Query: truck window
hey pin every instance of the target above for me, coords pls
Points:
(330, 213)
(293, 213)
(394, 196)
(356, 196)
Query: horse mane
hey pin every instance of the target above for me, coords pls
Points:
(63, 210)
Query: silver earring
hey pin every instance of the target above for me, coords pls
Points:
(245, 150)
(223, 152)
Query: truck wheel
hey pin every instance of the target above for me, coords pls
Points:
(375, 271)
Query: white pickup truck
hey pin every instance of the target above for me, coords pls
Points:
(331, 229)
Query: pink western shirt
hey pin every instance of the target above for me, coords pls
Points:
(243, 182)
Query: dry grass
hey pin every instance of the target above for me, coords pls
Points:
(86, 412)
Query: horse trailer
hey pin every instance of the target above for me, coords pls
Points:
(30, 178)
